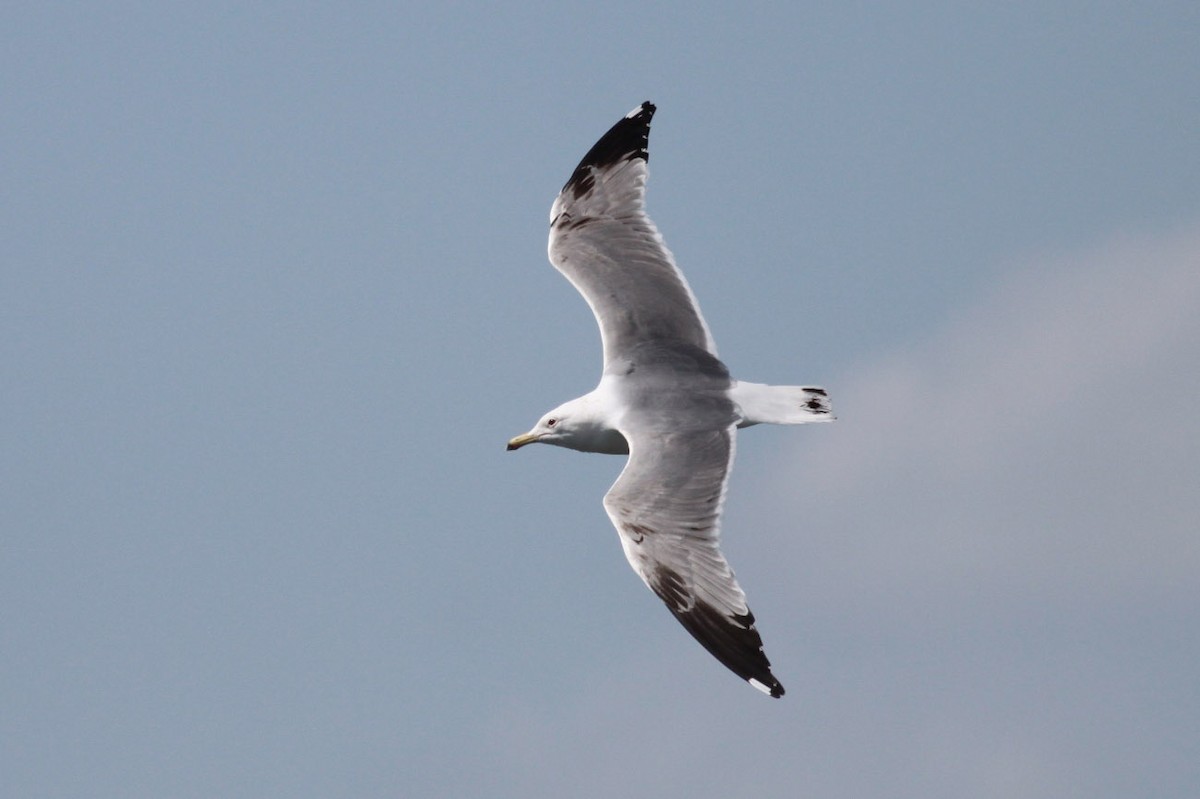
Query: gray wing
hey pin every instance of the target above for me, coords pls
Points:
(666, 505)
(602, 240)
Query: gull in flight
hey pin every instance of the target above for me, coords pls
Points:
(664, 398)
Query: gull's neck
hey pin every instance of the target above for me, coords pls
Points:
(594, 422)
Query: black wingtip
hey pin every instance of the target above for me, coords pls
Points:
(629, 138)
(733, 640)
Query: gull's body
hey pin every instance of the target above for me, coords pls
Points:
(664, 398)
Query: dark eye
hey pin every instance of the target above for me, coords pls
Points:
(551, 422)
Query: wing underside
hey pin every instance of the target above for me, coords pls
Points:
(602, 240)
(666, 506)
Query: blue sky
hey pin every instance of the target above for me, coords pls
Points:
(274, 294)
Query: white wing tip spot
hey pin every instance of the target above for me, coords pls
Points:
(759, 686)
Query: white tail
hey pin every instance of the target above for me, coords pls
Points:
(763, 404)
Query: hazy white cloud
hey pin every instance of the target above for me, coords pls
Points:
(1043, 439)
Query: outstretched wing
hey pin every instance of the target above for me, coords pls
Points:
(602, 240)
(666, 505)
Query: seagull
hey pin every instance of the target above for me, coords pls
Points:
(664, 398)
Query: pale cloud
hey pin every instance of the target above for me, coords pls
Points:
(1043, 439)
